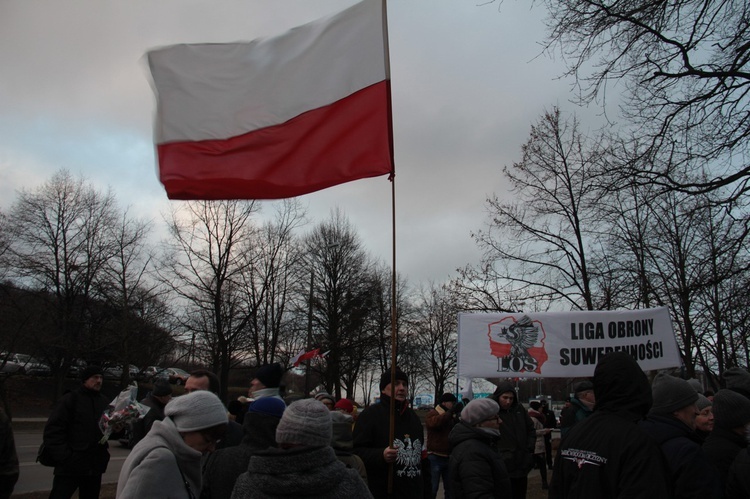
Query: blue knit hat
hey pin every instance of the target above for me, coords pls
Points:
(268, 406)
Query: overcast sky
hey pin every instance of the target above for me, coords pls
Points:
(467, 81)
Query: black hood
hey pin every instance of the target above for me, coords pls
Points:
(502, 387)
(621, 386)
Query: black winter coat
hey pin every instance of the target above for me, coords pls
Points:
(721, 448)
(691, 472)
(738, 479)
(72, 433)
(607, 455)
(476, 469)
(224, 466)
(517, 435)
(411, 477)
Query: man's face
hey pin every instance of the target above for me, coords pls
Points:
(587, 396)
(448, 405)
(506, 400)
(195, 384)
(402, 390)
(255, 386)
(94, 382)
(687, 415)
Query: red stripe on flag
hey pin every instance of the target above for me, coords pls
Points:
(345, 141)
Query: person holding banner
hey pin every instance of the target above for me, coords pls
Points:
(517, 437)
(608, 454)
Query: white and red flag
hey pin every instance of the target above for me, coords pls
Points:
(276, 117)
(302, 356)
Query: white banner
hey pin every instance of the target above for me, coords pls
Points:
(562, 344)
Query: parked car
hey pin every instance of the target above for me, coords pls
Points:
(34, 367)
(152, 373)
(115, 372)
(9, 364)
(20, 363)
(177, 376)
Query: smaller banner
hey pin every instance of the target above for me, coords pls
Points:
(562, 344)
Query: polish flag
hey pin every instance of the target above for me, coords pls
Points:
(276, 117)
(302, 356)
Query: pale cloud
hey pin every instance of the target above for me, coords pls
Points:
(466, 80)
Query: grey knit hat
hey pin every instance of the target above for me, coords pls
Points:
(671, 394)
(479, 410)
(703, 402)
(341, 436)
(324, 396)
(731, 410)
(196, 411)
(697, 386)
(305, 422)
(737, 379)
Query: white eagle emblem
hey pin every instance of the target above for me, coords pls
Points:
(409, 457)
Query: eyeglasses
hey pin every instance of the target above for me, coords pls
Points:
(210, 439)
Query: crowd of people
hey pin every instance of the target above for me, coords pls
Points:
(623, 437)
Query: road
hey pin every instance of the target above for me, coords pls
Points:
(36, 477)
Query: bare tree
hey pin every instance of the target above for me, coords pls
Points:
(206, 263)
(536, 248)
(139, 325)
(341, 296)
(59, 243)
(436, 325)
(684, 65)
(271, 286)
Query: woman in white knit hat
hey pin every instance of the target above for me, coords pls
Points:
(167, 462)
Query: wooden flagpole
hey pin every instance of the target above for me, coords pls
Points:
(392, 178)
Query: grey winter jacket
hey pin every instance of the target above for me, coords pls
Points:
(299, 472)
(153, 468)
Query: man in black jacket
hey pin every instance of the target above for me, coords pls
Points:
(727, 440)
(671, 423)
(72, 436)
(405, 455)
(608, 454)
(550, 421)
(517, 438)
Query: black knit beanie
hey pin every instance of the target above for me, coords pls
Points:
(738, 380)
(91, 371)
(731, 410)
(385, 378)
(671, 394)
(270, 375)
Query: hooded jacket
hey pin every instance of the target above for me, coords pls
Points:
(224, 466)
(692, 474)
(517, 434)
(607, 454)
(476, 469)
(299, 472)
(411, 477)
(156, 466)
